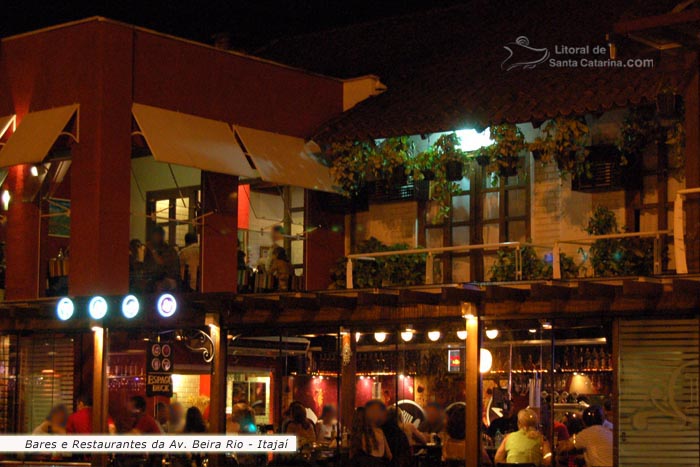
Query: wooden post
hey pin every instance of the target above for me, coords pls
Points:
(217, 399)
(99, 388)
(348, 380)
(692, 170)
(472, 412)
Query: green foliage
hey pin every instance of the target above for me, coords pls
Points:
(631, 256)
(564, 141)
(534, 268)
(504, 153)
(384, 271)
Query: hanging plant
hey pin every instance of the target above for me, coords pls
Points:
(504, 153)
(393, 159)
(642, 128)
(563, 141)
(350, 161)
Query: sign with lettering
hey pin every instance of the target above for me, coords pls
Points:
(159, 369)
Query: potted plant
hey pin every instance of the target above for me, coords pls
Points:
(563, 141)
(349, 165)
(509, 143)
(393, 159)
(451, 156)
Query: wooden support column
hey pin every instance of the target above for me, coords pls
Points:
(217, 400)
(692, 171)
(348, 380)
(219, 234)
(325, 242)
(100, 388)
(472, 385)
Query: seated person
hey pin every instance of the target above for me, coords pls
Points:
(434, 419)
(527, 445)
(595, 439)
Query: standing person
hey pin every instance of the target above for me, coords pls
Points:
(54, 423)
(327, 425)
(396, 439)
(300, 425)
(144, 424)
(189, 262)
(375, 450)
(242, 419)
(176, 421)
(595, 439)
(161, 263)
(194, 421)
(527, 445)
(163, 416)
(434, 419)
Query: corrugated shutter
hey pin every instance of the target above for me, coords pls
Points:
(659, 420)
(46, 372)
(7, 381)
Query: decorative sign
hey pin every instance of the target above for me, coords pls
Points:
(159, 369)
(454, 361)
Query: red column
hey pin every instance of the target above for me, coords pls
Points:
(219, 234)
(325, 242)
(100, 178)
(692, 171)
(22, 240)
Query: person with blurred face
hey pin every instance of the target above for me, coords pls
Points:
(596, 440)
(327, 425)
(434, 419)
(527, 445)
(374, 443)
(176, 422)
(143, 423)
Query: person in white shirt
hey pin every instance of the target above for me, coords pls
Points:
(595, 439)
(189, 260)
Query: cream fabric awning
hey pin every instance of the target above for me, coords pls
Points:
(5, 124)
(36, 133)
(285, 159)
(184, 139)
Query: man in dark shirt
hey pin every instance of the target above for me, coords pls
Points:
(434, 419)
(508, 423)
(144, 423)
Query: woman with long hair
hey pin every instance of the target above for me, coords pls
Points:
(194, 421)
(396, 438)
(527, 445)
(369, 447)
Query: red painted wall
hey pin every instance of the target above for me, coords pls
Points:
(105, 66)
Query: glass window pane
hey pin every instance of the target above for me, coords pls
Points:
(297, 195)
(649, 193)
(433, 238)
(460, 208)
(490, 233)
(490, 181)
(517, 231)
(182, 209)
(516, 202)
(432, 209)
(460, 269)
(460, 235)
(491, 205)
(297, 252)
(297, 223)
(162, 210)
(180, 232)
(465, 184)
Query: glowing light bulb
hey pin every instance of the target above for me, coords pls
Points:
(462, 334)
(380, 337)
(492, 333)
(434, 335)
(407, 335)
(485, 361)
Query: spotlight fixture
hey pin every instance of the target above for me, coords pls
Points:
(358, 336)
(97, 307)
(166, 305)
(6, 200)
(546, 325)
(434, 335)
(407, 335)
(462, 334)
(130, 306)
(532, 331)
(65, 308)
(34, 170)
(380, 337)
(492, 333)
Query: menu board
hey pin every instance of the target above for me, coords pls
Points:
(159, 369)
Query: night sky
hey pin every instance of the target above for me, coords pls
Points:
(252, 23)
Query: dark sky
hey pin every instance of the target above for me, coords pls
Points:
(252, 23)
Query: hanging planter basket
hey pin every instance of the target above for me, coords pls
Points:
(483, 160)
(537, 154)
(454, 170)
(428, 175)
(398, 176)
(421, 190)
(510, 168)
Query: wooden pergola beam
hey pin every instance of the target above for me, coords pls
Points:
(658, 21)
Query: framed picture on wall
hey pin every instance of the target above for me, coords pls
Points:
(59, 217)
